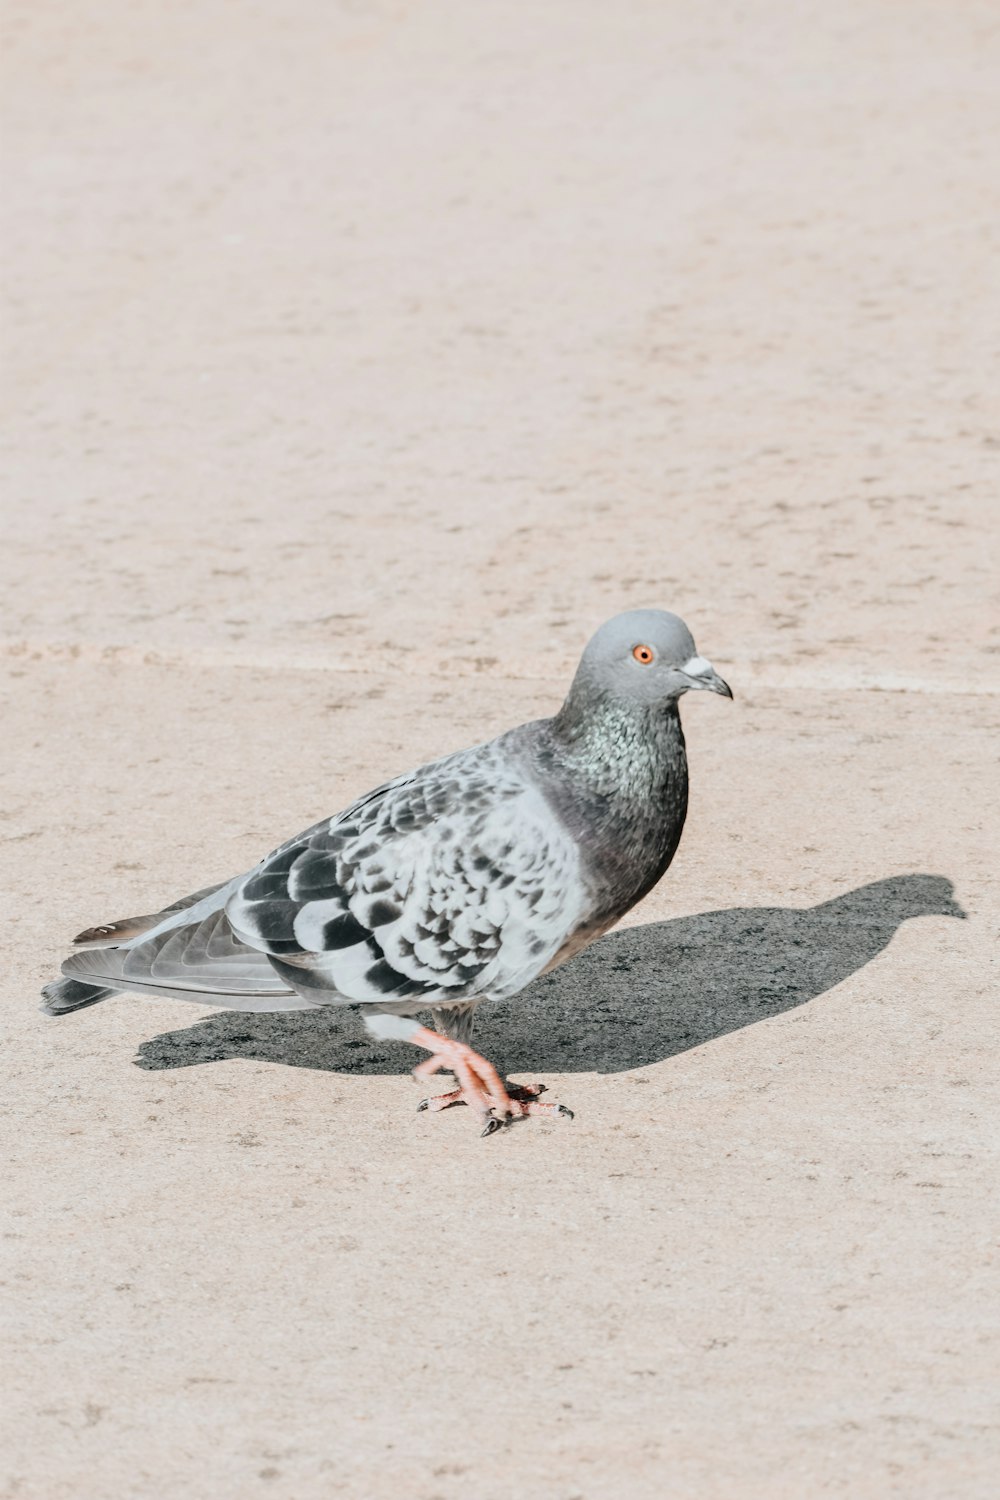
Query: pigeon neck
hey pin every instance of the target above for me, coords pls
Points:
(616, 773)
(615, 745)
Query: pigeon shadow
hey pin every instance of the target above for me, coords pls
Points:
(637, 996)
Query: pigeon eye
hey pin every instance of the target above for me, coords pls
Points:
(643, 654)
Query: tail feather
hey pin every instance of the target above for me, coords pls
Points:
(110, 934)
(63, 996)
(188, 952)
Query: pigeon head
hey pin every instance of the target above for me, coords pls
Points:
(646, 656)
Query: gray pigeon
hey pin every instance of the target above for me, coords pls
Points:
(461, 881)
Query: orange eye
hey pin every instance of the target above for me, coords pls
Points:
(643, 654)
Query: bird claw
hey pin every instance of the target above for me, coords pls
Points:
(528, 1107)
(523, 1100)
(498, 1104)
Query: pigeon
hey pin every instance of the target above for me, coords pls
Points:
(459, 882)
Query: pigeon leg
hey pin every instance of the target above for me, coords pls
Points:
(479, 1084)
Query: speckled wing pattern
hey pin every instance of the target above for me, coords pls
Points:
(455, 882)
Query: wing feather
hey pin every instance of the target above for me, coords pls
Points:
(112, 934)
(203, 962)
(448, 884)
(440, 887)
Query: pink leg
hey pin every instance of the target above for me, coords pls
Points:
(479, 1084)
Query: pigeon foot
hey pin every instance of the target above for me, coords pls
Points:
(479, 1085)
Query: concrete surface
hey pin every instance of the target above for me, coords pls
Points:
(359, 359)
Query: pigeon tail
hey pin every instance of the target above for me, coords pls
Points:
(65, 995)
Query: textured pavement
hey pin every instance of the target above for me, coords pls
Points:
(358, 360)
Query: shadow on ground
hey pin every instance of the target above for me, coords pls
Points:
(637, 996)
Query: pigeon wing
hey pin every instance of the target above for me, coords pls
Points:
(452, 883)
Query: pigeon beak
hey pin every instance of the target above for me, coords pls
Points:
(701, 674)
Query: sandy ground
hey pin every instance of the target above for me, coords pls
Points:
(359, 359)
